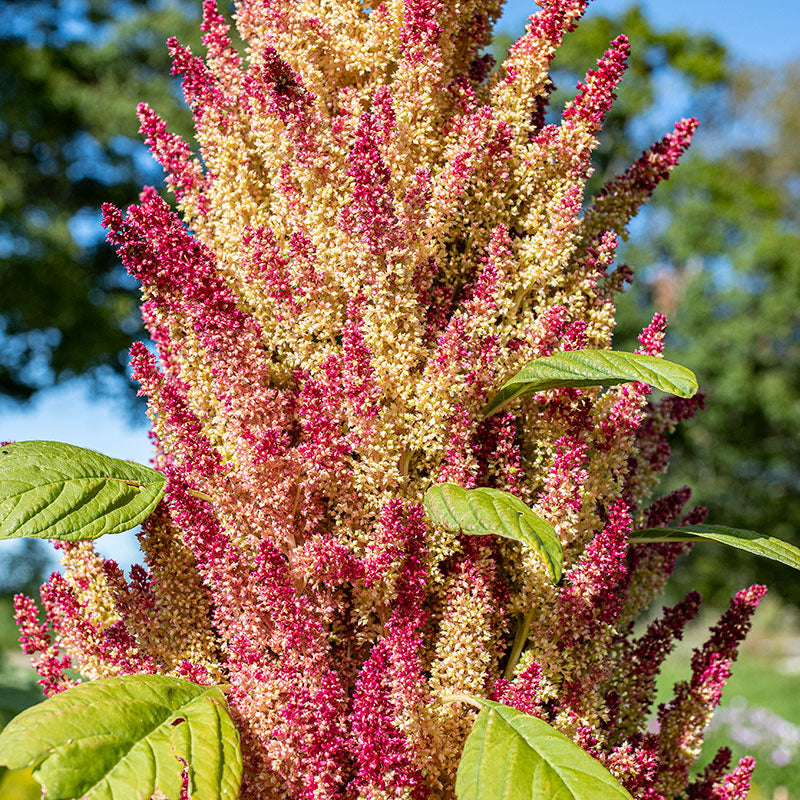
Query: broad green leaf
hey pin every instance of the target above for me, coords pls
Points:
(750, 541)
(483, 512)
(514, 756)
(53, 490)
(127, 738)
(18, 784)
(577, 368)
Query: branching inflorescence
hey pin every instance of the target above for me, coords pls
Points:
(378, 232)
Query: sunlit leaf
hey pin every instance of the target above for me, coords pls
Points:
(749, 541)
(18, 784)
(59, 491)
(481, 512)
(514, 756)
(579, 368)
(127, 738)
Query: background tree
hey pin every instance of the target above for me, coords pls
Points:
(730, 259)
(70, 78)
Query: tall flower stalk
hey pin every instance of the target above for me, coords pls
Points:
(380, 229)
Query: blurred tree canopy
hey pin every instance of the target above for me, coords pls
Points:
(71, 74)
(718, 250)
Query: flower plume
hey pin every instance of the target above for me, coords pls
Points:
(375, 233)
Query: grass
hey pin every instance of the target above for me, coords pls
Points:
(760, 711)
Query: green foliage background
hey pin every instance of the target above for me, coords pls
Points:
(70, 80)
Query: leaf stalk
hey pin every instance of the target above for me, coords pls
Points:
(519, 642)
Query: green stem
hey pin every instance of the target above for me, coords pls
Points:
(519, 643)
(200, 495)
(405, 460)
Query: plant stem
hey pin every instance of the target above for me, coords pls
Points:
(405, 460)
(519, 643)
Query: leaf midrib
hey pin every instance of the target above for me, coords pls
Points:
(128, 481)
(70, 507)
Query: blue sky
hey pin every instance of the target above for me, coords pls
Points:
(766, 32)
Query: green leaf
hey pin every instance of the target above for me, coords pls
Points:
(53, 490)
(749, 541)
(483, 512)
(509, 755)
(126, 738)
(18, 784)
(577, 368)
